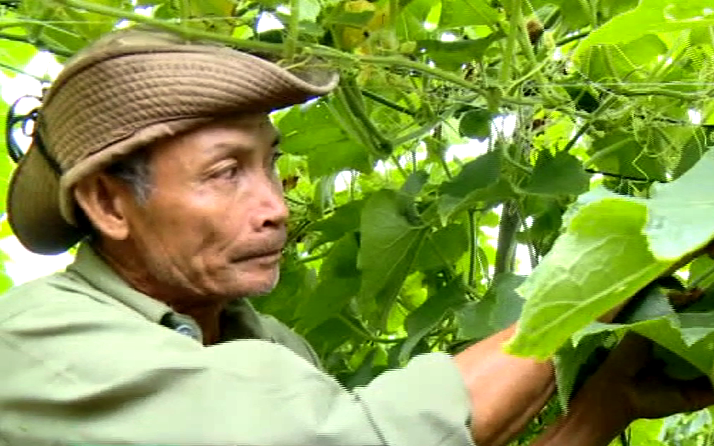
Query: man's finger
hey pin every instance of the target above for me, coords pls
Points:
(630, 355)
(698, 392)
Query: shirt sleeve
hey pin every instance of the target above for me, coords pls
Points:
(76, 371)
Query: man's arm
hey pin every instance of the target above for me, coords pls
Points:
(506, 391)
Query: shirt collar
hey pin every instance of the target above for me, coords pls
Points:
(239, 320)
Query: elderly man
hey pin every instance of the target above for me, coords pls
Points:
(159, 155)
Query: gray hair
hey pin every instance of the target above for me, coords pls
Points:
(135, 171)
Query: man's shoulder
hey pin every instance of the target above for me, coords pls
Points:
(25, 296)
(58, 289)
(280, 333)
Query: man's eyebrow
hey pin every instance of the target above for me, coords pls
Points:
(230, 146)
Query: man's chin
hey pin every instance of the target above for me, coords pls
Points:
(257, 286)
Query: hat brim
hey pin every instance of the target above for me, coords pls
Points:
(33, 207)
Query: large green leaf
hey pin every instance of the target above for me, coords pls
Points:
(651, 16)
(680, 212)
(601, 260)
(613, 246)
(389, 243)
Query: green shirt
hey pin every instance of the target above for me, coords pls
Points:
(85, 359)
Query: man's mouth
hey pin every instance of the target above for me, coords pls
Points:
(268, 255)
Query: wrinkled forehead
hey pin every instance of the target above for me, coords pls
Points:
(244, 133)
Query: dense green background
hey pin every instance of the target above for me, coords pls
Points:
(414, 251)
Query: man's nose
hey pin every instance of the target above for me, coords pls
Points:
(272, 210)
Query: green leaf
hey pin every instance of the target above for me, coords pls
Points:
(571, 362)
(339, 282)
(498, 309)
(474, 319)
(601, 260)
(389, 243)
(422, 320)
(619, 153)
(458, 13)
(296, 283)
(476, 124)
(480, 173)
(689, 338)
(701, 270)
(651, 16)
(453, 55)
(328, 148)
(508, 303)
(559, 175)
(692, 151)
(414, 183)
(364, 373)
(680, 212)
(442, 248)
(344, 219)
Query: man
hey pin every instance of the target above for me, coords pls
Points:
(159, 154)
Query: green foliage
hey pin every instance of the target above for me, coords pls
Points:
(398, 247)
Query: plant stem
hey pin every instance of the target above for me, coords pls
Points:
(184, 11)
(321, 51)
(293, 30)
(19, 71)
(383, 145)
(362, 332)
(473, 247)
(513, 31)
(39, 45)
(701, 278)
(507, 228)
(607, 103)
(401, 169)
(572, 38)
(253, 45)
(386, 102)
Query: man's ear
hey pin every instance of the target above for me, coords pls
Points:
(104, 201)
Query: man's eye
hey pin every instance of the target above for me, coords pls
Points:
(275, 157)
(227, 172)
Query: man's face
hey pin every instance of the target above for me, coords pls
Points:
(214, 223)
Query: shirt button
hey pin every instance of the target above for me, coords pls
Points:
(186, 330)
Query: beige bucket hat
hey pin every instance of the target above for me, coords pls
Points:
(123, 92)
